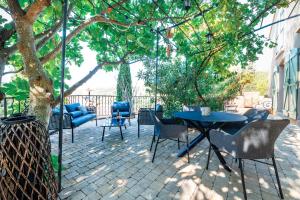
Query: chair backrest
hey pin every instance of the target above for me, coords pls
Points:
(159, 108)
(256, 140)
(191, 108)
(263, 114)
(167, 130)
(255, 114)
(121, 106)
(144, 117)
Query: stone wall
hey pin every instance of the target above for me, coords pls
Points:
(287, 36)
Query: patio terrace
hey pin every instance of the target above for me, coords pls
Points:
(116, 169)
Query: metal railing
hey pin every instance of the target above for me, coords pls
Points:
(11, 105)
(103, 102)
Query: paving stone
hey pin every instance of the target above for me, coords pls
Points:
(77, 196)
(116, 169)
(93, 196)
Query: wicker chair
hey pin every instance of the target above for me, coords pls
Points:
(252, 115)
(254, 141)
(168, 129)
(144, 117)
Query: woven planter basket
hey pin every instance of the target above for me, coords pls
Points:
(26, 171)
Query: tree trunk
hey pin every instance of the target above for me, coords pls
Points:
(41, 86)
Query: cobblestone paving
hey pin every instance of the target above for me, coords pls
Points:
(116, 169)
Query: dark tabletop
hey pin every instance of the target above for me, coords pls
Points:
(213, 117)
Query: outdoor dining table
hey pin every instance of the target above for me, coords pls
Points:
(204, 124)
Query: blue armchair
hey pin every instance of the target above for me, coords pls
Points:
(74, 116)
(122, 108)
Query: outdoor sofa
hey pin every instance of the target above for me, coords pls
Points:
(74, 116)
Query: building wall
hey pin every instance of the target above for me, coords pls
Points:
(287, 36)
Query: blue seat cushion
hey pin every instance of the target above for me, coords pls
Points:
(75, 114)
(115, 122)
(72, 107)
(123, 114)
(122, 106)
(83, 119)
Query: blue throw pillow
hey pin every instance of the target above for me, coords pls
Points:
(72, 107)
(83, 110)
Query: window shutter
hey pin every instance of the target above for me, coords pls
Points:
(291, 84)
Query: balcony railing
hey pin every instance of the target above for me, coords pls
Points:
(11, 105)
(103, 102)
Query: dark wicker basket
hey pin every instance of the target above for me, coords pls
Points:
(26, 171)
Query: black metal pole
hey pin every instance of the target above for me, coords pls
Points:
(156, 66)
(62, 86)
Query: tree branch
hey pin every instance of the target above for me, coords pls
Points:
(5, 9)
(91, 74)
(51, 32)
(15, 9)
(35, 9)
(114, 6)
(198, 92)
(76, 31)
(267, 8)
(13, 72)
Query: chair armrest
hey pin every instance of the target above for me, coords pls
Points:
(54, 121)
(67, 123)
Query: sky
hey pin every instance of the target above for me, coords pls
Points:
(105, 82)
(102, 81)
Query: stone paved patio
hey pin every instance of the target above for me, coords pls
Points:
(116, 169)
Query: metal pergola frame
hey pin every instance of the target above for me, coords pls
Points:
(158, 33)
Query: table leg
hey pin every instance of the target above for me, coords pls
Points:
(217, 152)
(192, 144)
(103, 133)
(221, 158)
(121, 132)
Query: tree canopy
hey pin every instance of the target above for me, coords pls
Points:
(124, 31)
